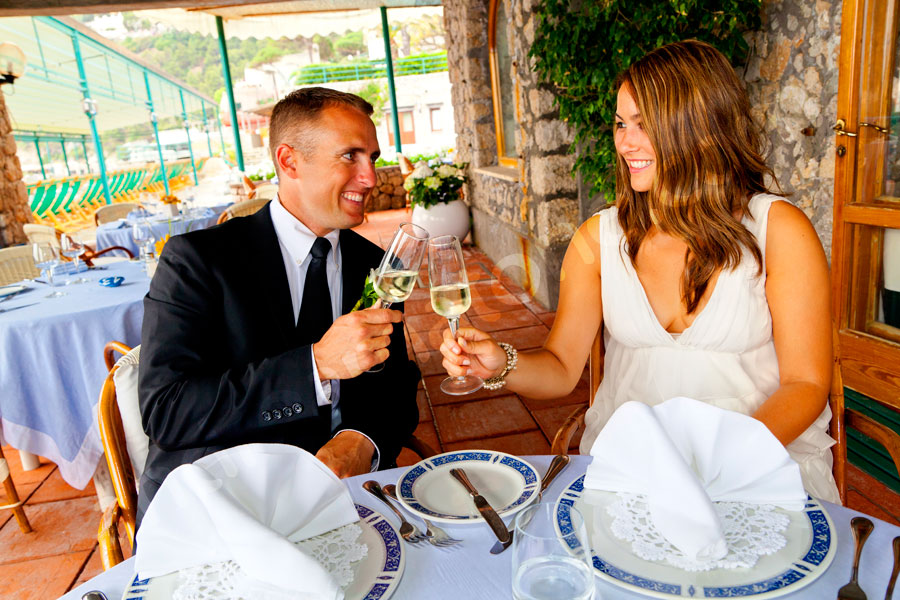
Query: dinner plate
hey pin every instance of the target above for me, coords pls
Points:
(12, 290)
(811, 545)
(375, 577)
(507, 482)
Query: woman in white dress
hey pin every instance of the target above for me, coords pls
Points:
(706, 283)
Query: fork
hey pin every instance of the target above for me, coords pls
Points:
(436, 535)
(861, 527)
(408, 531)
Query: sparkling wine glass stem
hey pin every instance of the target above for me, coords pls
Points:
(454, 327)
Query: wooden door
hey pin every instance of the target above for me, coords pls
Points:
(866, 242)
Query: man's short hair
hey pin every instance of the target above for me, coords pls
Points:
(294, 113)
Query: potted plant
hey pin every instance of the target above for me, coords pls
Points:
(436, 197)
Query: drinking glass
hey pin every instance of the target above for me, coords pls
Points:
(46, 257)
(551, 555)
(395, 278)
(140, 233)
(71, 247)
(450, 298)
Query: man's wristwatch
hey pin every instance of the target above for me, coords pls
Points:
(512, 357)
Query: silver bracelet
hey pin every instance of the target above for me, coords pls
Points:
(512, 357)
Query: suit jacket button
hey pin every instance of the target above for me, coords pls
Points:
(266, 415)
(276, 413)
(298, 408)
(287, 411)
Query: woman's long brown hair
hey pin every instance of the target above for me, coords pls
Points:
(709, 161)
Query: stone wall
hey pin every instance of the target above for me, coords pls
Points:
(792, 80)
(523, 217)
(530, 213)
(388, 192)
(14, 209)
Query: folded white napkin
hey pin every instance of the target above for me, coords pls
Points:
(68, 268)
(683, 455)
(247, 504)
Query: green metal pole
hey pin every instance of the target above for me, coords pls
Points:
(87, 163)
(206, 127)
(187, 130)
(226, 72)
(65, 158)
(389, 64)
(37, 146)
(90, 110)
(162, 163)
(221, 135)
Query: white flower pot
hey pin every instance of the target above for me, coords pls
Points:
(450, 218)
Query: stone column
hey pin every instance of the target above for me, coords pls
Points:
(14, 209)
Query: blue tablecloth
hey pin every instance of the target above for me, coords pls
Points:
(52, 366)
(119, 233)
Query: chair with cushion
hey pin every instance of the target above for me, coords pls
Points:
(242, 209)
(113, 212)
(17, 264)
(126, 447)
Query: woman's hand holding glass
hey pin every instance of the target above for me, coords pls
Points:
(472, 351)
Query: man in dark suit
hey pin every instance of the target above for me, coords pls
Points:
(247, 335)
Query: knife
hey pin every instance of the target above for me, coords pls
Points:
(484, 509)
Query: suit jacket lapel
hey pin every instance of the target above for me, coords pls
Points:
(355, 267)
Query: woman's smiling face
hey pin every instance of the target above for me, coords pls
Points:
(633, 143)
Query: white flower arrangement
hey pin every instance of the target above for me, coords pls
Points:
(427, 187)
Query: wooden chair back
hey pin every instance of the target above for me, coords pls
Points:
(242, 209)
(113, 212)
(112, 436)
(17, 264)
(42, 234)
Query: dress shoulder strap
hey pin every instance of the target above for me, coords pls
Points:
(759, 209)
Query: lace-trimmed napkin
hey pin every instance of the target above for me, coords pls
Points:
(249, 504)
(683, 455)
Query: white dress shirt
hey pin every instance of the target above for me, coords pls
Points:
(296, 240)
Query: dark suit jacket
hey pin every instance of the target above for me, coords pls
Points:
(220, 363)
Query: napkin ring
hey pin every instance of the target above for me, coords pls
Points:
(512, 357)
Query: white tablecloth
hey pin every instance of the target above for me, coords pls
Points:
(52, 365)
(469, 571)
(118, 233)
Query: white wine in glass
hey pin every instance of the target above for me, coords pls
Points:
(450, 298)
(395, 277)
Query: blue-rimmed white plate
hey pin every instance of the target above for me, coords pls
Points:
(811, 545)
(507, 482)
(375, 577)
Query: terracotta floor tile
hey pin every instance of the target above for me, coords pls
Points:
(93, 567)
(19, 476)
(421, 292)
(510, 319)
(430, 363)
(551, 419)
(417, 307)
(59, 528)
(492, 296)
(519, 444)
(548, 318)
(41, 579)
(874, 490)
(857, 501)
(426, 322)
(578, 396)
(482, 419)
(55, 488)
(437, 397)
(524, 338)
(477, 271)
(428, 340)
(424, 407)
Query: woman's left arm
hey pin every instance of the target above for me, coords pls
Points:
(798, 290)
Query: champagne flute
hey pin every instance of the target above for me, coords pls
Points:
(46, 258)
(395, 277)
(71, 247)
(450, 298)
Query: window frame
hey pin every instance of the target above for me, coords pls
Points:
(496, 100)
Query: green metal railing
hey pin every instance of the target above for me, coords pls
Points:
(372, 69)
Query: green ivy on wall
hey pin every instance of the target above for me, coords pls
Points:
(581, 46)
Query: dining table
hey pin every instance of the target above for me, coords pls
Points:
(119, 233)
(469, 571)
(53, 368)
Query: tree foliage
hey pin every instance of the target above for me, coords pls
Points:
(580, 47)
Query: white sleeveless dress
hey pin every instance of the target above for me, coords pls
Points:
(726, 357)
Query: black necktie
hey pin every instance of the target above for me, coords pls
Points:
(315, 309)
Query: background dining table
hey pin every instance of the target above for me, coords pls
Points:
(52, 368)
(470, 571)
(119, 233)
